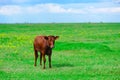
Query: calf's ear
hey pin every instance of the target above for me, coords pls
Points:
(56, 37)
(45, 37)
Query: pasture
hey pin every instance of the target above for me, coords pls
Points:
(84, 51)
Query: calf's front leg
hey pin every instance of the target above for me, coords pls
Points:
(44, 61)
(49, 57)
(41, 59)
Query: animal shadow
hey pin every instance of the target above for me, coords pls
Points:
(63, 65)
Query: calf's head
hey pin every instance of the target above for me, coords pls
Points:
(51, 40)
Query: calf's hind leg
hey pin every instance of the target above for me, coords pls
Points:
(36, 56)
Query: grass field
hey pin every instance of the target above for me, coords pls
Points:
(84, 51)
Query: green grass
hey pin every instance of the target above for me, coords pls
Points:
(84, 51)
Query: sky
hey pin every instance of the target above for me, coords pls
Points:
(59, 11)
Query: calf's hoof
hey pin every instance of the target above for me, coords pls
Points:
(34, 64)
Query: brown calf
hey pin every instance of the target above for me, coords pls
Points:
(44, 45)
